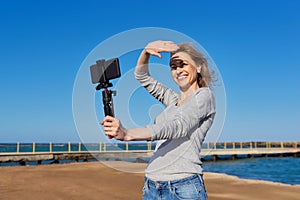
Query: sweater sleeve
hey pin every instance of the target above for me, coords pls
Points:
(165, 95)
(188, 117)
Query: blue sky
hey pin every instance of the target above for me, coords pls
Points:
(255, 45)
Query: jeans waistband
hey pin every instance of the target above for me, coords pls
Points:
(157, 184)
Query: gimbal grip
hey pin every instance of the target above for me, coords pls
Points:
(107, 103)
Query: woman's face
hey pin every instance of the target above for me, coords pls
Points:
(183, 71)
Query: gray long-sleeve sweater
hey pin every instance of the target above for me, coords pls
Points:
(179, 129)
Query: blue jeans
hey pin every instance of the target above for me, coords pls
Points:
(187, 188)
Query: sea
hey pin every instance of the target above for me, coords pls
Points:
(276, 169)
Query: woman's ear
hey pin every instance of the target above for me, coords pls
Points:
(199, 69)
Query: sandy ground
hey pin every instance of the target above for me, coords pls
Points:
(98, 181)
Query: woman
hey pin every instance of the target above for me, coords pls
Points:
(174, 171)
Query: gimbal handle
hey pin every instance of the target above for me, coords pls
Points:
(107, 102)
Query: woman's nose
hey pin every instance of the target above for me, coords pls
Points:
(179, 70)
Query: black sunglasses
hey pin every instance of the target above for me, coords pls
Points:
(175, 62)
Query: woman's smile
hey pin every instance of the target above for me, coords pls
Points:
(182, 76)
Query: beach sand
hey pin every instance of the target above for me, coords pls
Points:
(96, 180)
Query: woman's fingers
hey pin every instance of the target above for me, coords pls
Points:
(154, 52)
(108, 121)
(108, 118)
(111, 126)
(154, 48)
(171, 46)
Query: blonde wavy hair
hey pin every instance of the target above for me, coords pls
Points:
(205, 77)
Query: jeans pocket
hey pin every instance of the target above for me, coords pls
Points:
(186, 191)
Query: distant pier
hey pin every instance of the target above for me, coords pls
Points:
(234, 150)
(102, 151)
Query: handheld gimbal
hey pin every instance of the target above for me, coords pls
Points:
(101, 73)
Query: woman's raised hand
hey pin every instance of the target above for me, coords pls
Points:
(154, 48)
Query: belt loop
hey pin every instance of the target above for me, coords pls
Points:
(170, 187)
(147, 183)
(157, 185)
(201, 178)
